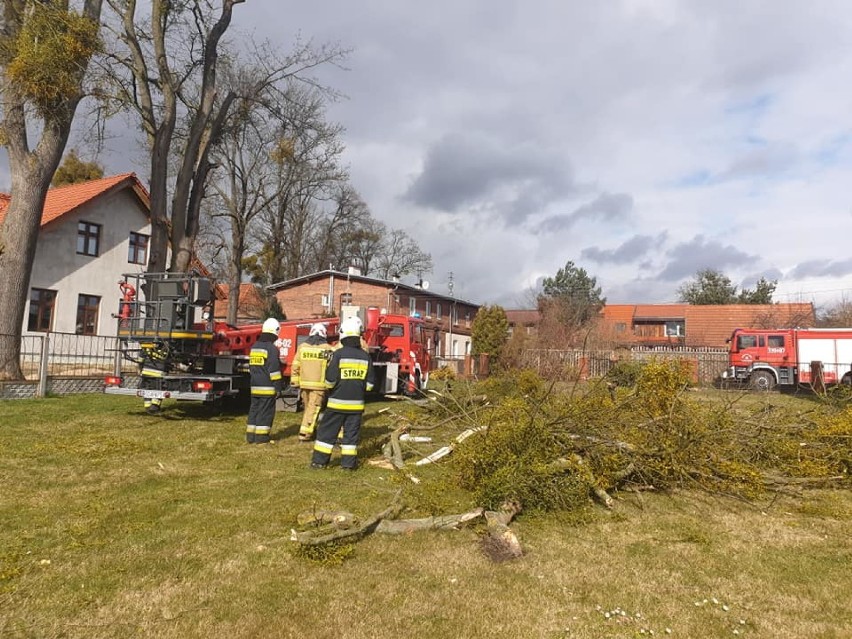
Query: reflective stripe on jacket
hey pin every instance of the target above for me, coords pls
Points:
(349, 376)
(310, 364)
(264, 367)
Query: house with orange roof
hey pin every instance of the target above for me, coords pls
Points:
(691, 325)
(675, 325)
(91, 233)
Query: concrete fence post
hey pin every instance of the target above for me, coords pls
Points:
(43, 366)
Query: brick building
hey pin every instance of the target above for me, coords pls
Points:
(323, 294)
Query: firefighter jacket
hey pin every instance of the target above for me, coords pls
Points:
(310, 363)
(264, 367)
(349, 376)
(155, 360)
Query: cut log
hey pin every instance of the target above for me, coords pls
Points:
(500, 543)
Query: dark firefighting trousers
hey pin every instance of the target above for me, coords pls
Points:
(327, 431)
(260, 418)
(149, 381)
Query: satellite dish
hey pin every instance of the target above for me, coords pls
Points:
(424, 285)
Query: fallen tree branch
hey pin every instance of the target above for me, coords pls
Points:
(310, 539)
(446, 450)
(439, 522)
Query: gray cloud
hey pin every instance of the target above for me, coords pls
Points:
(764, 161)
(606, 207)
(630, 251)
(687, 258)
(769, 274)
(821, 268)
(516, 180)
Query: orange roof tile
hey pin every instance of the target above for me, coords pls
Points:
(705, 325)
(64, 199)
(250, 305)
(523, 316)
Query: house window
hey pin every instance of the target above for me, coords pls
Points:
(137, 253)
(675, 329)
(345, 298)
(412, 305)
(454, 314)
(324, 301)
(438, 311)
(467, 319)
(428, 308)
(42, 303)
(88, 238)
(87, 314)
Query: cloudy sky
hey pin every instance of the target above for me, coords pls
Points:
(642, 139)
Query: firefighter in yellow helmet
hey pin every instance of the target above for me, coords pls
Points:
(348, 377)
(308, 374)
(265, 372)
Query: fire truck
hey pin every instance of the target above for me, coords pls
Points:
(764, 359)
(206, 360)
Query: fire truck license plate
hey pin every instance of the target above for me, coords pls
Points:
(151, 394)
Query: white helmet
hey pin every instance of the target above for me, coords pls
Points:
(350, 327)
(318, 329)
(271, 325)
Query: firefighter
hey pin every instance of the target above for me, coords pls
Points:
(308, 374)
(153, 367)
(348, 377)
(265, 371)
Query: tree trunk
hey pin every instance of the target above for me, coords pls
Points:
(18, 238)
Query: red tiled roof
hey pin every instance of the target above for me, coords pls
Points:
(65, 199)
(707, 325)
(250, 305)
(523, 317)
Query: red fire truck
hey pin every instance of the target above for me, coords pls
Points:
(783, 357)
(208, 360)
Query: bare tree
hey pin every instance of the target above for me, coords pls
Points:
(167, 71)
(247, 162)
(290, 236)
(400, 255)
(41, 85)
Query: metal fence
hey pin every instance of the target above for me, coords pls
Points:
(707, 363)
(69, 356)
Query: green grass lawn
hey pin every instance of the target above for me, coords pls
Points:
(118, 524)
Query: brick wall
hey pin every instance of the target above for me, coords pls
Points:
(305, 300)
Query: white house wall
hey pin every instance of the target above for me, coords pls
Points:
(58, 267)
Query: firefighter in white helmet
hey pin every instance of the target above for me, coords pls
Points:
(308, 374)
(348, 377)
(265, 371)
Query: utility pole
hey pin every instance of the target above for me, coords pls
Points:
(452, 312)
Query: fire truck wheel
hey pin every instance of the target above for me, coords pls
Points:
(762, 381)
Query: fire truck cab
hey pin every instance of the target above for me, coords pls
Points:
(764, 358)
